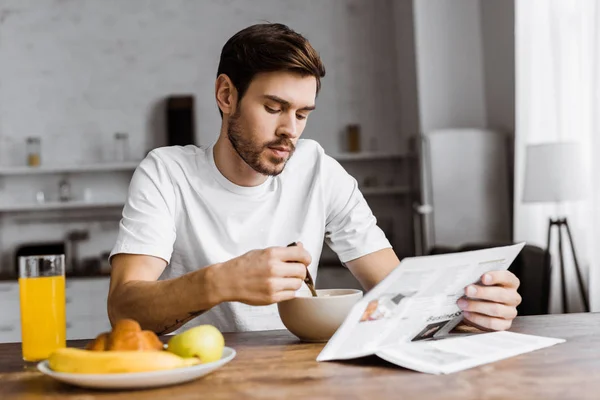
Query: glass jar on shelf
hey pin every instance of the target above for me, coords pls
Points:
(121, 147)
(34, 146)
(353, 138)
(64, 190)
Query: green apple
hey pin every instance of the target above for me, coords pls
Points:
(205, 342)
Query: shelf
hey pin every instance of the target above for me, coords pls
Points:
(70, 205)
(131, 165)
(368, 156)
(380, 191)
(52, 169)
(79, 205)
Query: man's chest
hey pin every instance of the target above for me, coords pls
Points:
(216, 229)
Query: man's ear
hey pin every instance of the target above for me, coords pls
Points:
(226, 94)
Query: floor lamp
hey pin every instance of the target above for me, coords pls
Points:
(554, 173)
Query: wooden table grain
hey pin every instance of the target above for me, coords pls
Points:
(275, 365)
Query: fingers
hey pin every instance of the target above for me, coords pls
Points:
(493, 306)
(289, 270)
(485, 322)
(488, 308)
(500, 278)
(496, 294)
(293, 254)
(284, 295)
(283, 284)
(281, 289)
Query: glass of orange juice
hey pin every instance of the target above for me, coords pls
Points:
(42, 294)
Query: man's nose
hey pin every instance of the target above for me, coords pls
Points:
(288, 126)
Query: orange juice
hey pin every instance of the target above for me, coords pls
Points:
(43, 320)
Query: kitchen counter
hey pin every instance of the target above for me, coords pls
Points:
(275, 365)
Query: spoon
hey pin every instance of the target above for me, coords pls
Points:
(308, 280)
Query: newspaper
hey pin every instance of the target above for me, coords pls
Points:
(412, 319)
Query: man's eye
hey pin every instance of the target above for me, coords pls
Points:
(300, 117)
(271, 110)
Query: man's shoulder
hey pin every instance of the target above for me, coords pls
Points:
(175, 154)
(175, 162)
(176, 158)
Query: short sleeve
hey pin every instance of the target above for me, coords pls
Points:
(147, 225)
(351, 228)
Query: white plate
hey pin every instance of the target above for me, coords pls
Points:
(139, 380)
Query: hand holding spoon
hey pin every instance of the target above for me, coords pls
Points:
(308, 280)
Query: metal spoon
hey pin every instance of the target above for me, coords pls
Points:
(308, 280)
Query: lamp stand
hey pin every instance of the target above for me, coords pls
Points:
(560, 223)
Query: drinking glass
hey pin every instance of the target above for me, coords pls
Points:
(42, 295)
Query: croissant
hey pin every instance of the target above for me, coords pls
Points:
(125, 335)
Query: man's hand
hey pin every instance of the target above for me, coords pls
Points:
(492, 305)
(262, 277)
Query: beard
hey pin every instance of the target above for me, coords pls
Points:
(253, 153)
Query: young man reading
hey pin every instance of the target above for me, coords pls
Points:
(204, 232)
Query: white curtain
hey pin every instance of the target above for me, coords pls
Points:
(558, 99)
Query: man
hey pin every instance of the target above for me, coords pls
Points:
(204, 231)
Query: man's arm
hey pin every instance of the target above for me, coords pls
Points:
(259, 277)
(351, 224)
(374, 267)
(160, 306)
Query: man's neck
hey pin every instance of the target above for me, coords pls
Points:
(231, 166)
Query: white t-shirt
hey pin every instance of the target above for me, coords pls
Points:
(182, 209)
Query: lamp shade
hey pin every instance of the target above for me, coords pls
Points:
(554, 172)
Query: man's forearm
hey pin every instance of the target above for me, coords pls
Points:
(164, 306)
(373, 268)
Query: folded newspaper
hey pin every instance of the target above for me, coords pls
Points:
(411, 318)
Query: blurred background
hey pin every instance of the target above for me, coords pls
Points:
(467, 124)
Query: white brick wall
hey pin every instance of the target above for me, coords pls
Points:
(75, 72)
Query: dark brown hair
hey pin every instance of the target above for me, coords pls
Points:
(268, 48)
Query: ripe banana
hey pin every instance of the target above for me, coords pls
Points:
(79, 361)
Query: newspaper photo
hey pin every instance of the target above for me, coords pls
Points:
(412, 319)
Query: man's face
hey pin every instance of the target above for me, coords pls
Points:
(270, 118)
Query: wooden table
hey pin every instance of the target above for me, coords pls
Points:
(274, 365)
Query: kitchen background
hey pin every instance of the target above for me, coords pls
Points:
(74, 74)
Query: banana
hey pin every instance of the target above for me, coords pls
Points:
(79, 361)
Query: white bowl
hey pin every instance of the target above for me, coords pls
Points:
(315, 319)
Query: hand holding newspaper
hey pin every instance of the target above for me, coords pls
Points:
(403, 318)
